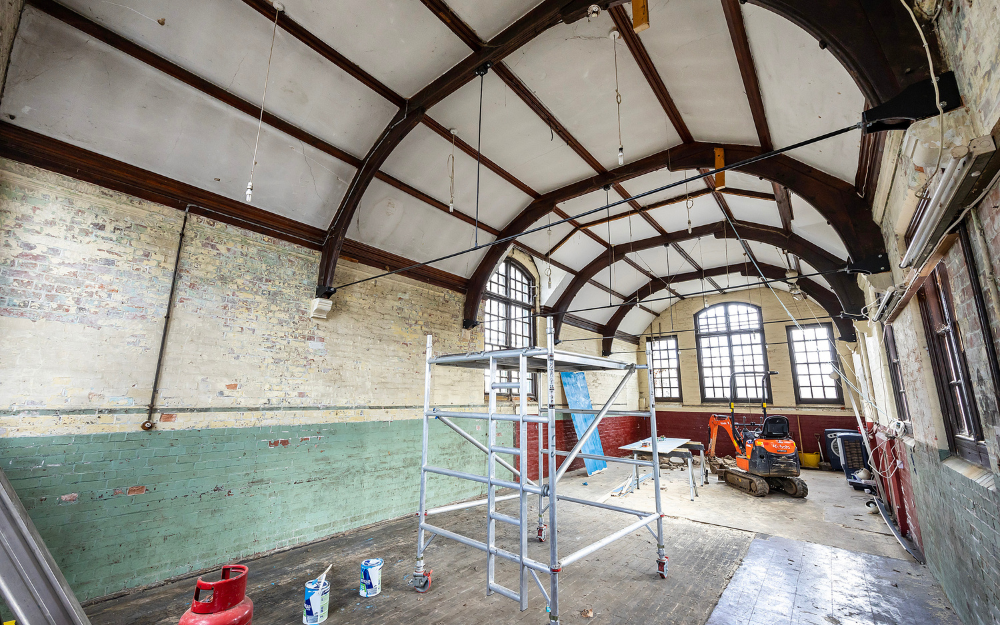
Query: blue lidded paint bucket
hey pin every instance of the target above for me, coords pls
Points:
(371, 577)
(317, 606)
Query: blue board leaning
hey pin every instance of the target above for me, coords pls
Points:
(578, 396)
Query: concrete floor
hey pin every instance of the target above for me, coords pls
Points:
(707, 541)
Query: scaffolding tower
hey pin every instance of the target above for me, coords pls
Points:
(524, 362)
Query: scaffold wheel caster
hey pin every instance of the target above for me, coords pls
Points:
(541, 533)
(422, 582)
(661, 566)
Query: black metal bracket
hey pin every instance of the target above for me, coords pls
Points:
(878, 263)
(325, 291)
(914, 103)
(468, 324)
(484, 68)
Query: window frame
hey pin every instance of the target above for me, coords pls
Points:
(729, 334)
(839, 399)
(506, 299)
(680, 385)
(896, 374)
(947, 354)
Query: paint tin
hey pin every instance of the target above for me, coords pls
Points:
(317, 604)
(371, 577)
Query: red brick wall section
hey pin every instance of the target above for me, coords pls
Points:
(618, 431)
(694, 425)
(614, 432)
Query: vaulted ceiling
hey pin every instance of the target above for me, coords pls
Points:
(161, 98)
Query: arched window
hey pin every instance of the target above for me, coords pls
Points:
(507, 323)
(730, 339)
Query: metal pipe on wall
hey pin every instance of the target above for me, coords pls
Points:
(148, 423)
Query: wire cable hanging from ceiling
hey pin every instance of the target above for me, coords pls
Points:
(618, 97)
(611, 267)
(481, 72)
(278, 8)
(451, 172)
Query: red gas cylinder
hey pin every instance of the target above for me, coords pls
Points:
(229, 604)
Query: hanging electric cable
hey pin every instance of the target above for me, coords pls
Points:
(278, 8)
(451, 172)
(481, 72)
(611, 268)
(618, 97)
(548, 255)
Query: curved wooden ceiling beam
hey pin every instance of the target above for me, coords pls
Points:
(544, 16)
(833, 198)
(823, 296)
(874, 41)
(846, 289)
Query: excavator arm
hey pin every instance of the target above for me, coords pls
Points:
(714, 422)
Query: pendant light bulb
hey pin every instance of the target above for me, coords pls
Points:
(249, 191)
(621, 155)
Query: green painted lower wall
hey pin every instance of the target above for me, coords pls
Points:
(200, 498)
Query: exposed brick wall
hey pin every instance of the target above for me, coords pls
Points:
(614, 432)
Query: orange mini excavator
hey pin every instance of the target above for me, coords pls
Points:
(766, 455)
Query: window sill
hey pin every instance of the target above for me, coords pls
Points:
(978, 474)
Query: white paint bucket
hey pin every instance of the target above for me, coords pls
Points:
(317, 604)
(371, 577)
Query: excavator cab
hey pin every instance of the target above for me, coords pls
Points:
(766, 458)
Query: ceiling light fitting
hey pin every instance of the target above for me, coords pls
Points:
(593, 11)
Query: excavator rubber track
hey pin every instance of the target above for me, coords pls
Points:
(794, 486)
(750, 484)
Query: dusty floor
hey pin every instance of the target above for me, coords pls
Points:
(706, 540)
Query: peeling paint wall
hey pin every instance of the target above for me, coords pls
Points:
(272, 428)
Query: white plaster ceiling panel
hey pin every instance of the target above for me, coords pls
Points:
(514, 137)
(421, 161)
(578, 251)
(571, 70)
(636, 321)
(767, 254)
(304, 88)
(591, 201)
(621, 277)
(690, 287)
(696, 249)
(591, 297)
(674, 217)
(738, 180)
(659, 261)
(806, 93)
(543, 240)
(689, 43)
(716, 252)
(399, 42)
(751, 209)
(398, 223)
(488, 19)
(660, 178)
(559, 282)
(626, 229)
(73, 88)
(812, 227)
